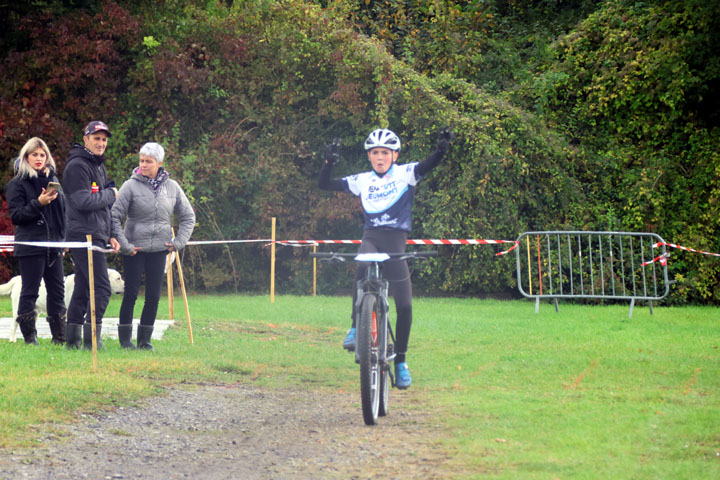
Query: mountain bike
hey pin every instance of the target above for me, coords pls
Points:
(374, 338)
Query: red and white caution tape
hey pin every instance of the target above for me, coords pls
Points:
(218, 242)
(416, 241)
(661, 258)
(293, 243)
(7, 244)
(465, 241)
(685, 248)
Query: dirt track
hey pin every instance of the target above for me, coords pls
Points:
(238, 432)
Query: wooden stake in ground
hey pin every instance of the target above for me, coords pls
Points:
(314, 271)
(272, 263)
(91, 281)
(171, 299)
(184, 293)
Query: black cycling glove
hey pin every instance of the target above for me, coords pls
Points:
(445, 136)
(332, 152)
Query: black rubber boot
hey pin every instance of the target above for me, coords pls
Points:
(144, 333)
(87, 336)
(73, 336)
(26, 321)
(125, 336)
(57, 327)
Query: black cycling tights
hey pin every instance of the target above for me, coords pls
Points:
(398, 274)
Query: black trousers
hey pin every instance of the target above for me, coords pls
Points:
(398, 275)
(79, 308)
(35, 268)
(153, 266)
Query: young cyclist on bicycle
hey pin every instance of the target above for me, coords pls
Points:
(387, 195)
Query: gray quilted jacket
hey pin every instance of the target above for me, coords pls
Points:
(148, 215)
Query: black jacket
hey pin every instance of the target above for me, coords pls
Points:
(88, 213)
(33, 221)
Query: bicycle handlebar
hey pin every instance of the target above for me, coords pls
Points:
(344, 257)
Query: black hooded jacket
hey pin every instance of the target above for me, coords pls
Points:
(33, 221)
(88, 212)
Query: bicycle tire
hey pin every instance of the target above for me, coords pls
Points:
(385, 379)
(367, 351)
(384, 407)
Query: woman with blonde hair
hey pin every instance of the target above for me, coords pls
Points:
(37, 209)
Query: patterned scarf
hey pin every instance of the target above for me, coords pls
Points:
(157, 181)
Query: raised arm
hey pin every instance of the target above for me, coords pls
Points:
(325, 180)
(443, 143)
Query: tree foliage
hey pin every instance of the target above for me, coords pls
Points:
(637, 85)
(574, 114)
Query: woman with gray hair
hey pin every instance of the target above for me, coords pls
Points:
(37, 209)
(146, 204)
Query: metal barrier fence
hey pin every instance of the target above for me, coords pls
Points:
(596, 265)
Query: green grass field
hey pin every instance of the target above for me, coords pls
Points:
(583, 393)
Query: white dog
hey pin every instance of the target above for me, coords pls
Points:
(13, 287)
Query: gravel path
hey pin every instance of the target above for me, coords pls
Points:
(214, 432)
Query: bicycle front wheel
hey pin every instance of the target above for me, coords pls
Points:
(385, 380)
(367, 352)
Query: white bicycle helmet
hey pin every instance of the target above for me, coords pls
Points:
(383, 138)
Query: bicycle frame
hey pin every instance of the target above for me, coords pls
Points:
(373, 349)
(374, 284)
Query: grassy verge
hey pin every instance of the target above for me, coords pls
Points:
(583, 393)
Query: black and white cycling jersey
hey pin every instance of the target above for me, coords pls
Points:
(387, 200)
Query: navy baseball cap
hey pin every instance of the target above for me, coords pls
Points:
(96, 126)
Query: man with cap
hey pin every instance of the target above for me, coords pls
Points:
(90, 196)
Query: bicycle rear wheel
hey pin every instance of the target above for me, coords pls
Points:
(367, 351)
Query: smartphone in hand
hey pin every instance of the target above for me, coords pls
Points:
(53, 186)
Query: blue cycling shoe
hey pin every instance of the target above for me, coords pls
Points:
(402, 375)
(349, 342)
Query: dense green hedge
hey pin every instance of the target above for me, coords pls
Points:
(636, 85)
(569, 115)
